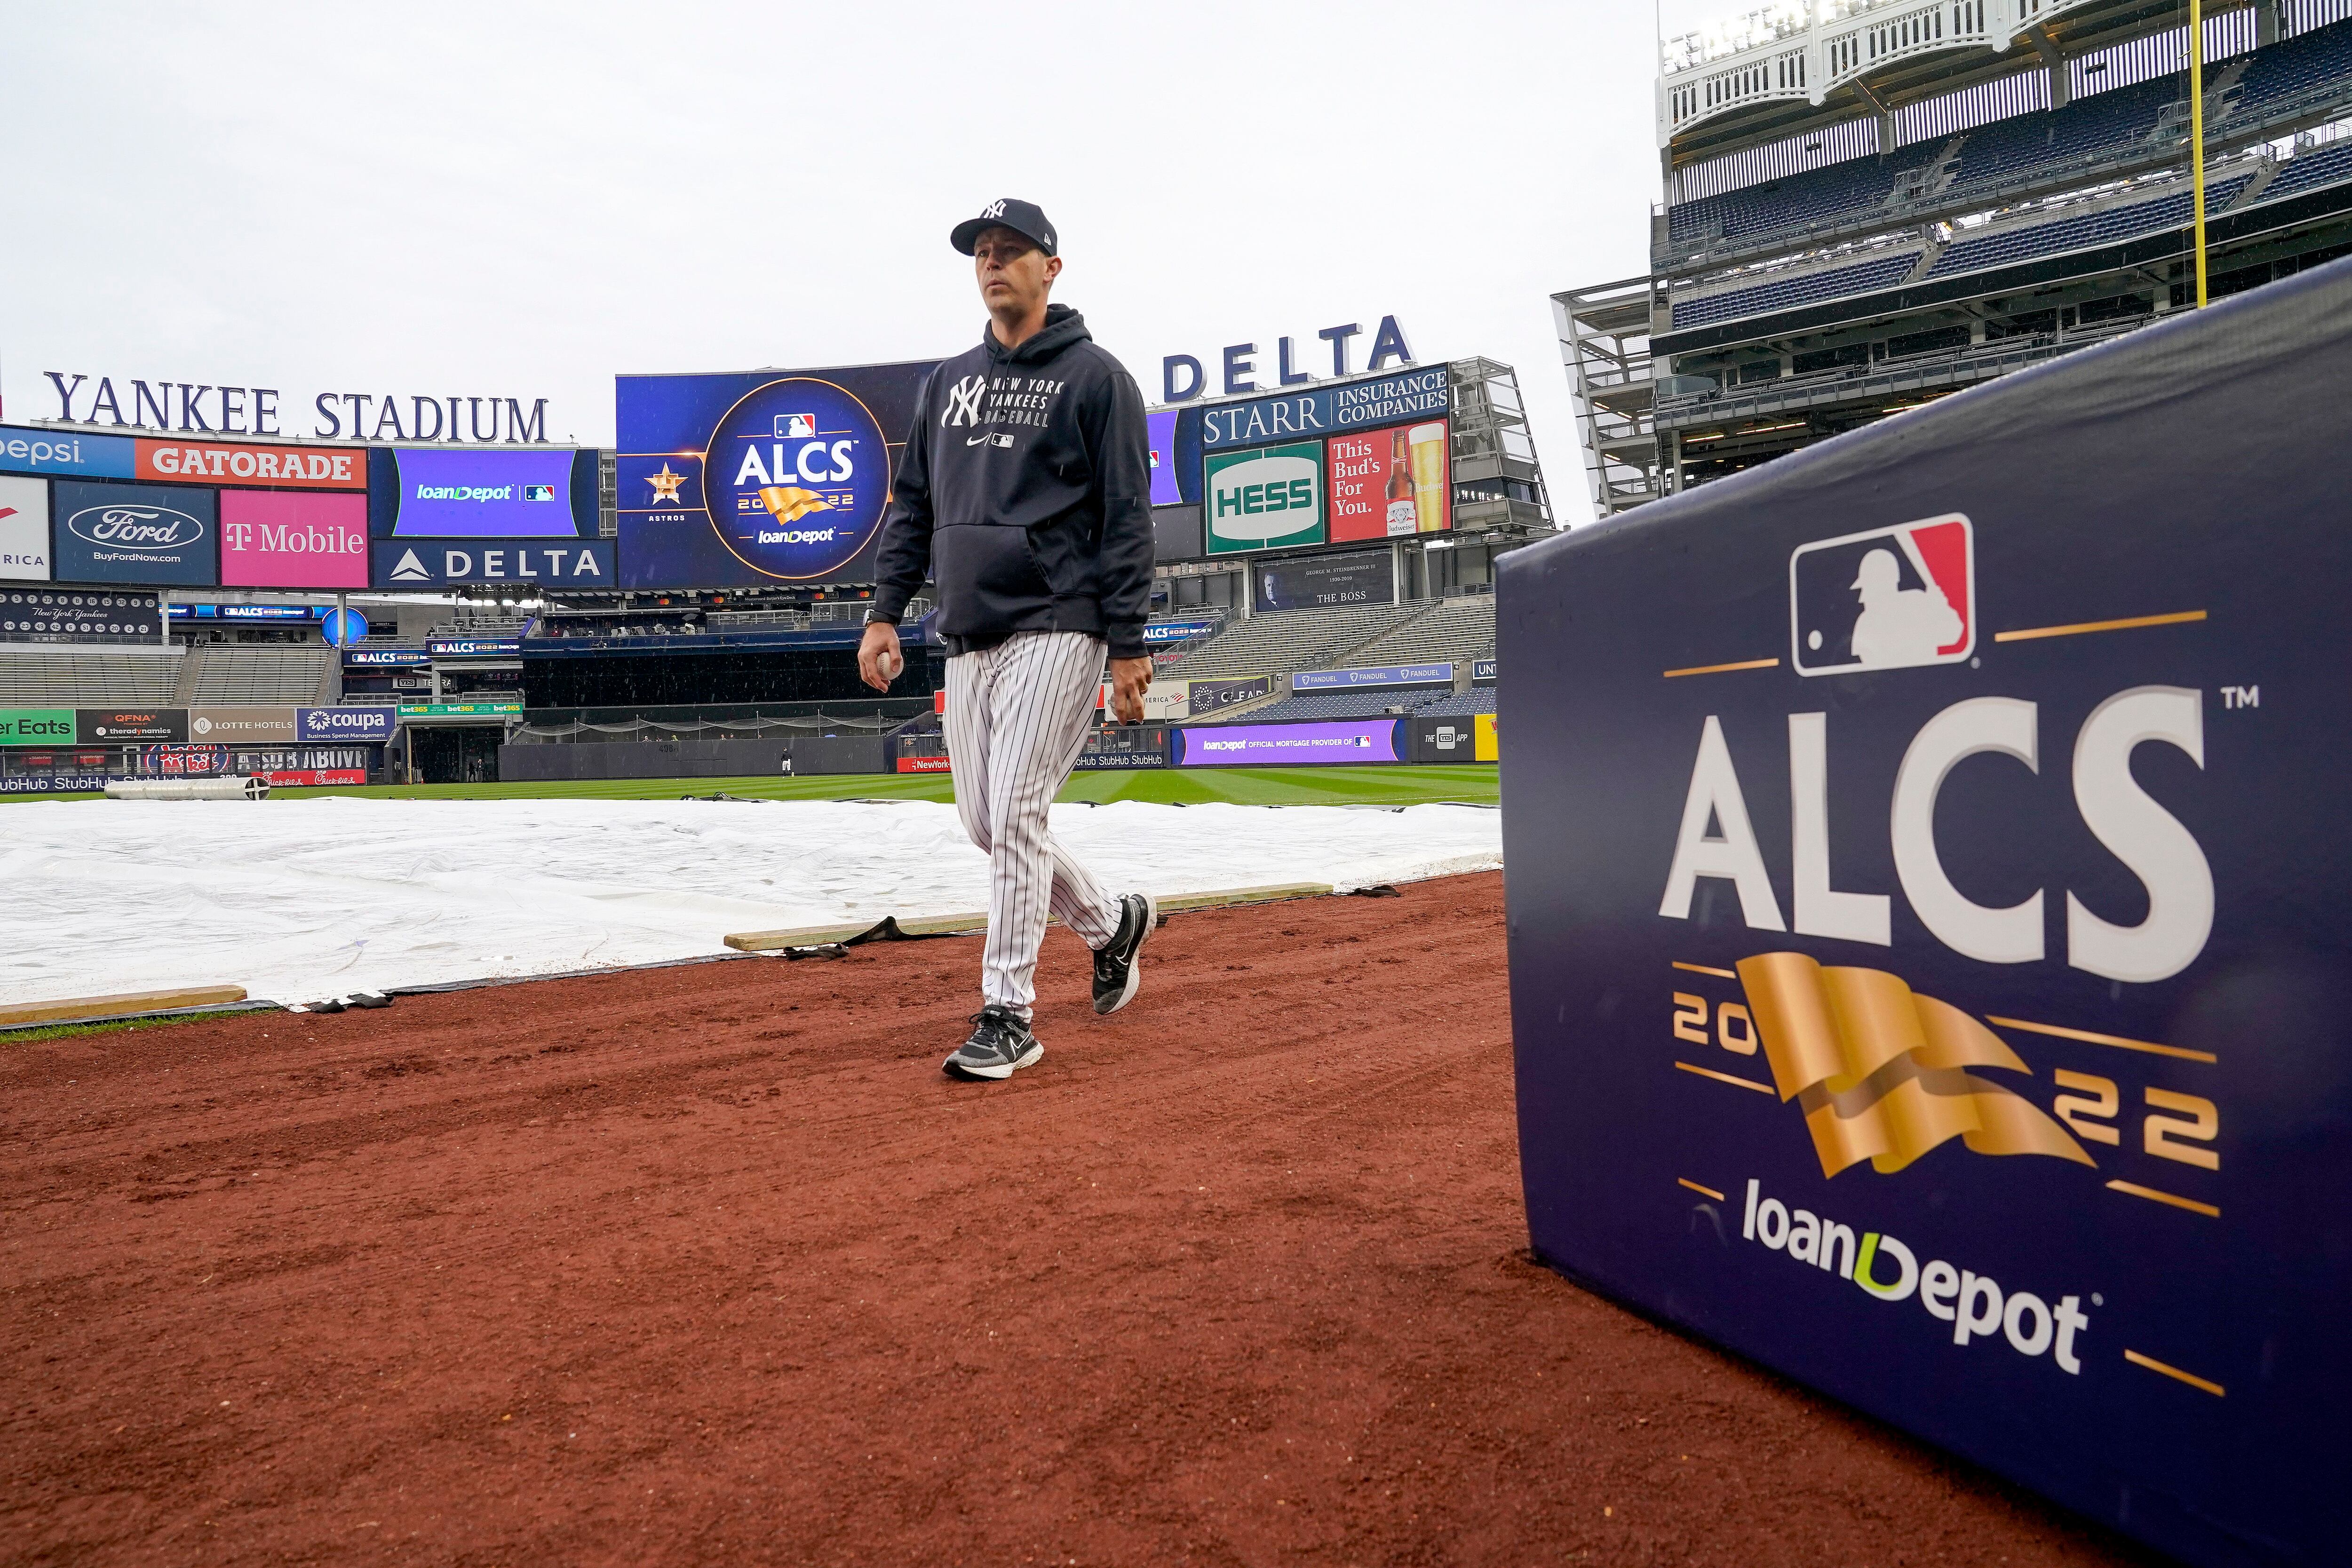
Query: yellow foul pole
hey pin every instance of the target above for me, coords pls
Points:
(2197, 134)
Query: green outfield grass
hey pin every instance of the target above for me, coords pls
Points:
(1473, 782)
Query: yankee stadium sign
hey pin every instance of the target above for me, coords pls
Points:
(218, 409)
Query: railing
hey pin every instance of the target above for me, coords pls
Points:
(1977, 361)
(1802, 51)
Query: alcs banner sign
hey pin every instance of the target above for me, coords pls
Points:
(1926, 974)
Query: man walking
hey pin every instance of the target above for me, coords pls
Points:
(1025, 492)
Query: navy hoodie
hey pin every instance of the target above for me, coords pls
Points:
(1025, 493)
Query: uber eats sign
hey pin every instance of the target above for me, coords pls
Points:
(1266, 498)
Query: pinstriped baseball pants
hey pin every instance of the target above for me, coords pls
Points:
(1017, 718)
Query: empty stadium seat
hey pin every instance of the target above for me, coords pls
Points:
(2295, 66)
(1835, 192)
(1460, 704)
(2086, 130)
(2321, 166)
(238, 672)
(1371, 703)
(87, 678)
(2020, 243)
(1457, 630)
(1276, 642)
(1784, 293)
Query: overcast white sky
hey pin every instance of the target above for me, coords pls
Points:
(519, 200)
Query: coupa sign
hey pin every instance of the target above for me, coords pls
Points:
(1924, 977)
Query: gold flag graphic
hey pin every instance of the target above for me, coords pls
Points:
(1879, 1070)
(790, 503)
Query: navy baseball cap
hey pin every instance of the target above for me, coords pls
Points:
(1026, 218)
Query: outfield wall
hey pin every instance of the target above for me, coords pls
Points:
(1929, 970)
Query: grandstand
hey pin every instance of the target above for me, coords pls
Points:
(210, 674)
(88, 678)
(1453, 630)
(235, 672)
(1369, 703)
(1279, 642)
(1870, 203)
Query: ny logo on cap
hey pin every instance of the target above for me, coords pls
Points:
(993, 209)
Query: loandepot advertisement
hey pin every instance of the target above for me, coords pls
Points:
(1928, 968)
(1288, 745)
(764, 477)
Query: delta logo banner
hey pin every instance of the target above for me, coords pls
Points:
(737, 480)
(1928, 975)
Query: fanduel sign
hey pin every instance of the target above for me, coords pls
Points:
(1182, 379)
(253, 411)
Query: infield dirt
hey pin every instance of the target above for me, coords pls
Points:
(710, 1264)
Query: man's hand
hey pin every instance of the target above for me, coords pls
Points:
(1129, 678)
(879, 659)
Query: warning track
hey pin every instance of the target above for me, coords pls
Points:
(710, 1264)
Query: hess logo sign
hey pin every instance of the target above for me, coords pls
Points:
(1266, 496)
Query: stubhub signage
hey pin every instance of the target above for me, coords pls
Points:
(1927, 972)
(400, 563)
(357, 723)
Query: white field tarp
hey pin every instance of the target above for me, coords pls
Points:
(298, 900)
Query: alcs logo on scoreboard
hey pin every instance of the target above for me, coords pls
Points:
(796, 477)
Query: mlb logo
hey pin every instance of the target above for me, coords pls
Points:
(1891, 598)
(1155, 463)
(539, 492)
(795, 426)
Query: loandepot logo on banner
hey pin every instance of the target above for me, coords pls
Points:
(1974, 1304)
(1889, 598)
(1264, 499)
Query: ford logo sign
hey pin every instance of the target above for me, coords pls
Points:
(135, 527)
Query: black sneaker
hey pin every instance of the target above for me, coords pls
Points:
(1000, 1045)
(1116, 977)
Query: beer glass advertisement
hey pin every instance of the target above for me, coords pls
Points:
(1269, 498)
(1388, 483)
(735, 481)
